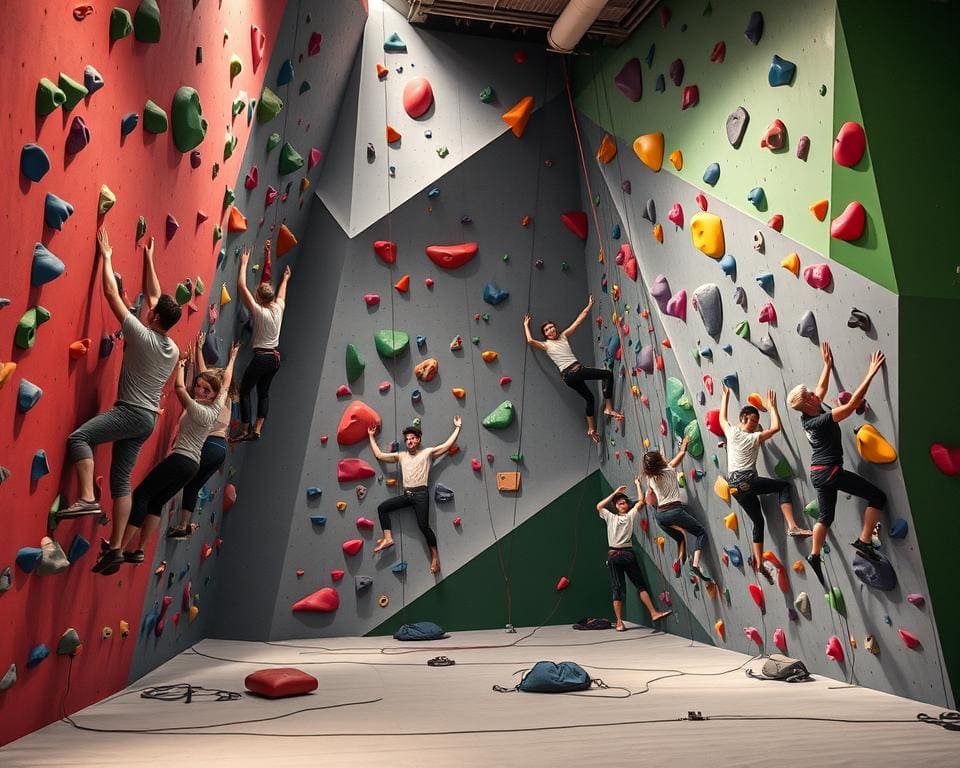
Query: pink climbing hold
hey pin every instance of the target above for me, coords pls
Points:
(664, 16)
(428, 282)
(386, 250)
(313, 44)
(457, 522)
(768, 314)
(713, 422)
(576, 222)
(365, 523)
(627, 261)
(677, 306)
(751, 633)
(663, 427)
(946, 459)
(344, 391)
(850, 144)
(314, 158)
(719, 52)
(356, 419)
(229, 496)
(336, 574)
(324, 600)
(562, 584)
(850, 224)
(690, 98)
(676, 214)
(252, 179)
(452, 256)
(384, 387)
(780, 640)
(371, 299)
(916, 599)
(775, 137)
(505, 380)
(818, 276)
(475, 464)
(324, 439)
(270, 195)
(417, 97)
(701, 201)
(909, 639)
(351, 470)
(258, 43)
(352, 547)
(629, 80)
(835, 649)
(757, 594)
(708, 383)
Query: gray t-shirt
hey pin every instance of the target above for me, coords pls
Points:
(266, 324)
(619, 527)
(742, 449)
(148, 360)
(195, 426)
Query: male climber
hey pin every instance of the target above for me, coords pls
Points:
(415, 465)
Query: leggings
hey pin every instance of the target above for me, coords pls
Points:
(127, 427)
(212, 456)
(161, 485)
(419, 499)
(620, 563)
(829, 481)
(750, 487)
(260, 372)
(678, 516)
(575, 379)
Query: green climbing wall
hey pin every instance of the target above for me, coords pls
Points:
(800, 32)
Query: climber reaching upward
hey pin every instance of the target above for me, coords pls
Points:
(574, 373)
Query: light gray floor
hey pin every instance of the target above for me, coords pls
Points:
(450, 716)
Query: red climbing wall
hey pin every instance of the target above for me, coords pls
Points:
(150, 178)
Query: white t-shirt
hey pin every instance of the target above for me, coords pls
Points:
(742, 449)
(266, 324)
(222, 424)
(148, 360)
(195, 426)
(665, 487)
(414, 468)
(560, 352)
(619, 527)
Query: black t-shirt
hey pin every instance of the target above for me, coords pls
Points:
(825, 438)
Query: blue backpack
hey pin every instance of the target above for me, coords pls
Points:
(421, 630)
(551, 677)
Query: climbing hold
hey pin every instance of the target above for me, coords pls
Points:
(172, 225)
(775, 137)
(393, 135)
(394, 44)
(314, 158)
(364, 523)
(873, 447)
(487, 95)
(780, 640)
(189, 127)
(224, 295)
(835, 600)
(121, 24)
(290, 160)
(721, 629)
(712, 174)
(743, 330)
(146, 22)
(324, 600)
(518, 116)
(751, 633)
(818, 276)
(488, 355)
(371, 299)
(362, 583)
(353, 546)
(403, 284)
(154, 118)
(859, 319)
(268, 108)
(357, 418)
(500, 417)
(196, 157)
(28, 395)
(689, 98)
(37, 654)
(758, 198)
(46, 267)
(493, 295)
(707, 302)
(754, 30)
(798, 566)
(819, 209)
(757, 594)
(28, 558)
(34, 162)
(229, 497)
(69, 643)
(128, 122)
(26, 333)
(719, 52)
(576, 222)
(713, 422)
(916, 599)
(835, 649)
(79, 348)
(451, 256)
(677, 305)
(802, 604)
(341, 506)
(768, 313)
(343, 391)
(849, 145)
(285, 73)
(56, 211)
(649, 148)
(627, 261)
(426, 370)
(629, 80)
(730, 521)
(106, 200)
(878, 573)
(71, 90)
(736, 126)
(676, 72)
(765, 280)
(418, 97)
(706, 232)
(391, 343)
(562, 584)
(676, 158)
(607, 150)
(850, 224)
(675, 214)
(947, 460)
(781, 71)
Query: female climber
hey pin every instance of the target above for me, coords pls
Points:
(822, 428)
(165, 480)
(621, 559)
(663, 491)
(575, 374)
(266, 311)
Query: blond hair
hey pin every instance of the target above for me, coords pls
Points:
(796, 396)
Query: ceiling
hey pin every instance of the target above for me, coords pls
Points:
(522, 19)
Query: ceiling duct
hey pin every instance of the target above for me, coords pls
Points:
(573, 23)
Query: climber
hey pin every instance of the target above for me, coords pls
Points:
(415, 465)
(827, 474)
(575, 374)
(214, 451)
(167, 478)
(621, 559)
(663, 491)
(743, 448)
(149, 358)
(266, 311)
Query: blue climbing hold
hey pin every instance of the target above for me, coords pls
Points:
(415, 396)
(493, 295)
(313, 493)
(728, 348)
(37, 654)
(758, 197)
(78, 548)
(434, 193)
(731, 381)
(285, 75)
(128, 122)
(613, 345)
(765, 280)
(899, 529)
(712, 175)
(39, 467)
(34, 162)
(56, 210)
(46, 266)
(736, 557)
(728, 265)
(661, 84)
(754, 30)
(421, 342)
(28, 558)
(649, 57)
(318, 519)
(615, 232)
(781, 71)
(395, 44)
(399, 567)
(28, 395)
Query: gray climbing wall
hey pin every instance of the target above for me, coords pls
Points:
(868, 612)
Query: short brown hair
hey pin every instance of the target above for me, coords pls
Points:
(265, 293)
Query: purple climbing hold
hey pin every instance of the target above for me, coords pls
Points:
(78, 137)
(803, 147)
(676, 72)
(645, 360)
(754, 30)
(92, 80)
(677, 306)
(172, 226)
(740, 297)
(195, 158)
(625, 186)
(660, 291)
(736, 126)
(629, 80)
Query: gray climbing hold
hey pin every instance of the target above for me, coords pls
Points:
(707, 302)
(362, 583)
(740, 297)
(56, 211)
(859, 319)
(52, 558)
(765, 344)
(807, 327)
(802, 604)
(442, 494)
(650, 211)
(736, 126)
(10, 676)
(6, 579)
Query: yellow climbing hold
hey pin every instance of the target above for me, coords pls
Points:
(722, 488)
(660, 542)
(224, 295)
(649, 148)
(819, 209)
(646, 442)
(608, 149)
(792, 262)
(635, 390)
(194, 610)
(873, 446)
(706, 231)
(124, 628)
(730, 521)
(341, 505)
(676, 157)
(488, 355)
(657, 233)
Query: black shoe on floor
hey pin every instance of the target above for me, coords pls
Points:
(133, 557)
(815, 565)
(865, 549)
(109, 562)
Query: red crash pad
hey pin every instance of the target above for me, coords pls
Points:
(280, 683)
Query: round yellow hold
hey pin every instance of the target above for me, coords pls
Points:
(649, 148)
(706, 231)
(874, 447)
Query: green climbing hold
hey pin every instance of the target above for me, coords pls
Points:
(141, 227)
(391, 343)
(189, 127)
(694, 439)
(695, 353)
(236, 66)
(486, 95)
(355, 364)
(726, 596)
(516, 457)
(146, 22)
(228, 198)
(121, 24)
(72, 90)
(272, 141)
(675, 390)
(238, 105)
(783, 470)
(681, 480)
(835, 600)
(743, 330)
(304, 87)
(26, 333)
(49, 97)
(154, 118)
(229, 144)
(198, 287)
(217, 235)
(290, 159)
(812, 509)
(500, 417)
(182, 294)
(475, 340)
(269, 106)
(564, 267)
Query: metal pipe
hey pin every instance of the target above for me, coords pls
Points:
(572, 24)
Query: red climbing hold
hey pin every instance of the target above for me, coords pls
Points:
(775, 137)
(850, 224)
(351, 470)
(258, 43)
(325, 600)
(713, 422)
(776, 222)
(229, 496)
(563, 583)
(757, 594)
(356, 420)
(457, 522)
(417, 97)
(314, 158)
(336, 574)
(628, 261)
(353, 546)
(382, 72)
(576, 222)
(452, 256)
(719, 52)
(365, 523)
(393, 135)
(205, 551)
(946, 459)
(780, 639)
(253, 178)
(690, 97)
(505, 380)
(675, 214)
(344, 391)
(753, 634)
(701, 201)
(850, 144)
(386, 250)
(313, 44)
(909, 639)
(475, 464)
(835, 649)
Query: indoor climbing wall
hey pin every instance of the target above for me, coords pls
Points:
(104, 131)
(741, 302)
(316, 535)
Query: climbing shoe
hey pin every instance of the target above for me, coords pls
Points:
(109, 562)
(133, 557)
(814, 561)
(865, 549)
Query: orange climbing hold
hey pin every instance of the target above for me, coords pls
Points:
(792, 263)
(382, 72)
(676, 157)
(607, 150)
(79, 348)
(798, 566)
(722, 488)
(458, 392)
(657, 233)
(452, 256)
(236, 222)
(721, 629)
(819, 209)
(285, 240)
(426, 370)
(519, 115)
(6, 371)
(403, 284)
(730, 521)
(356, 420)
(649, 148)
(488, 355)
(393, 135)
(756, 401)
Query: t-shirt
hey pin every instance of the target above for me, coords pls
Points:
(825, 438)
(266, 324)
(414, 468)
(665, 487)
(148, 360)
(195, 426)
(222, 424)
(742, 449)
(619, 527)
(560, 352)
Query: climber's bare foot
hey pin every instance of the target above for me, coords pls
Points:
(592, 434)
(613, 414)
(660, 615)
(435, 565)
(383, 544)
(621, 628)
